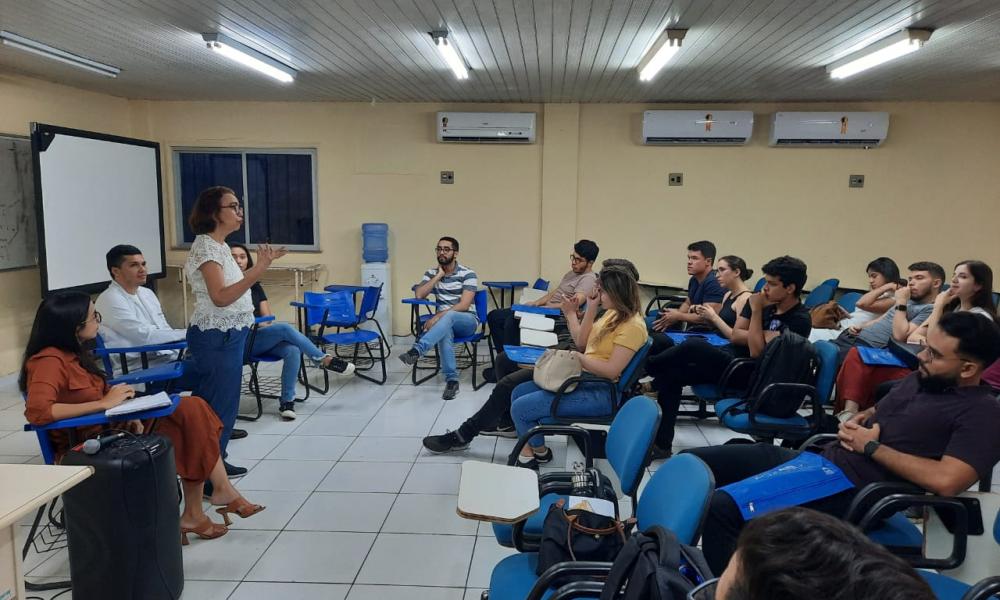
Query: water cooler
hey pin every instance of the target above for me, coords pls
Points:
(375, 271)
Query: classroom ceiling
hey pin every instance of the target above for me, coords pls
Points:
(518, 50)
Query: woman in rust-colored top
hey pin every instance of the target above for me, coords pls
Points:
(61, 381)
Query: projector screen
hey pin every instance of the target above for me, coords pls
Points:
(94, 191)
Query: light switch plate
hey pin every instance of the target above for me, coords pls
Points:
(675, 179)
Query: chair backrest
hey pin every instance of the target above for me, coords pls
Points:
(760, 285)
(337, 305)
(541, 284)
(834, 283)
(677, 497)
(849, 301)
(369, 302)
(482, 306)
(821, 294)
(826, 352)
(109, 367)
(632, 370)
(629, 439)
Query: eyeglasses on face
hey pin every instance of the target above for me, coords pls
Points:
(443, 250)
(577, 259)
(235, 206)
(96, 317)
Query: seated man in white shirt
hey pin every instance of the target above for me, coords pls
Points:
(131, 314)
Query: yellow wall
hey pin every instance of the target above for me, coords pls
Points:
(931, 191)
(22, 101)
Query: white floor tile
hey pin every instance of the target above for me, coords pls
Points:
(433, 478)
(311, 447)
(433, 560)
(253, 446)
(689, 435)
(227, 558)
(281, 506)
(205, 590)
(384, 423)
(270, 425)
(366, 477)
(13, 460)
(397, 592)
(383, 449)
(323, 424)
(257, 590)
(427, 513)
(488, 553)
(285, 475)
(473, 594)
(56, 565)
(313, 557)
(19, 443)
(342, 511)
(12, 419)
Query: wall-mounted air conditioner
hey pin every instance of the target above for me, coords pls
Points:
(826, 129)
(696, 127)
(486, 128)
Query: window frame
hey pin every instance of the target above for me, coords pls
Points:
(179, 217)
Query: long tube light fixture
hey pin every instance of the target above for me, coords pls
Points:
(889, 48)
(28, 45)
(450, 54)
(660, 53)
(247, 56)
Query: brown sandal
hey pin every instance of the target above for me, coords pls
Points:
(240, 507)
(206, 530)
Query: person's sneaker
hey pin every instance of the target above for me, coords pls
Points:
(233, 470)
(238, 434)
(450, 390)
(527, 463)
(490, 375)
(287, 411)
(448, 442)
(339, 366)
(544, 457)
(410, 357)
(661, 453)
(505, 430)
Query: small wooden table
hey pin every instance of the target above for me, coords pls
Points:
(25, 488)
(497, 493)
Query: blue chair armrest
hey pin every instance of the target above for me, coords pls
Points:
(178, 345)
(419, 301)
(162, 373)
(98, 418)
(984, 590)
(585, 378)
(802, 388)
(506, 285)
(580, 434)
(266, 319)
(537, 310)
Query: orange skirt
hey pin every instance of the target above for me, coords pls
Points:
(857, 381)
(194, 430)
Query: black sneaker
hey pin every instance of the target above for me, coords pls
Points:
(490, 375)
(238, 434)
(410, 357)
(527, 463)
(448, 442)
(339, 366)
(544, 457)
(505, 430)
(660, 453)
(450, 390)
(287, 411)
(233, 470)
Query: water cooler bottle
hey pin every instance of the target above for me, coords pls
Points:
(375, 271)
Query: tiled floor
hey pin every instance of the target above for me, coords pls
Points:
(356, 508)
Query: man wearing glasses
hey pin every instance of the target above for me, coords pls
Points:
(454, 287)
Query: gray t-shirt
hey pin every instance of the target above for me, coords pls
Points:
(877, 334)
(574, 283)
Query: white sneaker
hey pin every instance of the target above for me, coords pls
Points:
(287, 411)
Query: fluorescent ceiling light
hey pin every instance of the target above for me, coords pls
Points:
(245, 55)
(884, 50)
(660, 53)
(22, 43)
(449, 54)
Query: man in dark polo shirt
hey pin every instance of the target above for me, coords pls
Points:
(936, 429)
(703, 288)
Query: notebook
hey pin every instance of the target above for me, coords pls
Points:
(139, 404)
(879, 357)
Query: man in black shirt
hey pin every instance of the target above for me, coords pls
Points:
(936, 429)
(764, 317)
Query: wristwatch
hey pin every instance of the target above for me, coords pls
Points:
(871, 447)
(900, 307)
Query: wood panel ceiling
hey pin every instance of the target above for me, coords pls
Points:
(518, 50)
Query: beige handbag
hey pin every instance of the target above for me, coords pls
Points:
(554, 367)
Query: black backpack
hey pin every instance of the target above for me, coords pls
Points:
(788, 358)
(654, 565)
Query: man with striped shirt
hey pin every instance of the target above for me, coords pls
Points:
(454, 287)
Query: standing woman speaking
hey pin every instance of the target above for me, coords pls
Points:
(223, 310)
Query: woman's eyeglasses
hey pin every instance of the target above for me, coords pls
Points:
(96, 317)
(235, 206)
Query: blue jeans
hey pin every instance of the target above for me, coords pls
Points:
(217, 359)
(530, 405)
(283, 341)
(451, 325)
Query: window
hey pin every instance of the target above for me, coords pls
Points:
(276, 187)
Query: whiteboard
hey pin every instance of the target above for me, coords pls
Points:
(94, 191)
(18, 230)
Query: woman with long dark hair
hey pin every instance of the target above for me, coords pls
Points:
(61, 380)
(610, 344)
(284, 341)
(971, 290)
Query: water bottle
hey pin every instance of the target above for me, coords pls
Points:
(375, 242)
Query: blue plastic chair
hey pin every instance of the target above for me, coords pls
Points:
(541, 284)
(629, 440)
(834, 283)
(676, 498)
(471, 344)
(336, 309)
(849, 301)
(759, 285)
(740, 414)
(164, 372)
(821, 294)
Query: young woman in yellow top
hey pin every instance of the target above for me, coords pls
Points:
(610, 344)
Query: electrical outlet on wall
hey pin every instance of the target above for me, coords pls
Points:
(675, 179)
(856, 181)
(447, 177)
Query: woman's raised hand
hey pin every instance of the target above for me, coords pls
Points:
(266, 254)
